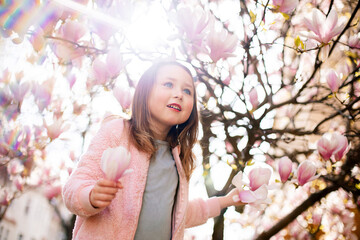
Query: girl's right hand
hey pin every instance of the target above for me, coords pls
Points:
(103, 193)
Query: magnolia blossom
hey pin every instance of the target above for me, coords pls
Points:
(285, 168)
(103, 71)
(42, 93)
(258, 186)
(4, 197)
(222, 44)
(37, 39)
(100, 72)
(354, 41)
(253, 95)
(15, 167)
(285, 6)
(54, 130)
(192, 22)
(323, 28)
(333, 80)
(123, 96)
(52, 191)
(72, 30)
(306, 172)
(333, 144)
(114, 162)
(19, 90)
(19, 183)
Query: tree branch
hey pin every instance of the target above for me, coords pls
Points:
(296, 212)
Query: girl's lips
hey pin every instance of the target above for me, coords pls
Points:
(174, 106)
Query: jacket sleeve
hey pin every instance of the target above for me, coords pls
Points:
(77, 188)
(199, 211)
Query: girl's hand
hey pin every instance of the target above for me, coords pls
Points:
(103, 193)
(227, 201)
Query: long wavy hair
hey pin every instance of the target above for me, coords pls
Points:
(184, 134)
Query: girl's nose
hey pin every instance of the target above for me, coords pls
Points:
(178, 94)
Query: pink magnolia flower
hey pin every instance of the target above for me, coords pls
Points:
(37, 39)
(11, 112)
(6, 76)
(221, 43)
(123, 96)
(5, 97)
(54, 130)
(108, 69)
(114, 63)
(19, 90)
(192, 22)
(333, 80)
(102, 29)
(259, 179)
(354, 41)
(253, 95)
(52, 191)
(323, 28)
(4, 197)
(257, 196)
(285, 168)
(42, 93)
(114, 162)
(67, 52)
(332, 144)
(19, 183)
(100, 71)
(72, 30)
(15, 167)
(306, 172)
(285, 6)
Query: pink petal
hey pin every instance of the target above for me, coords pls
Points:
(331, 21)
(114, 162)
(258, 177)
(306, 171)
(114, 63)
(124, 97)
(261, 193)
(342, 147)
(73, 30)
(253, 98)
(326, 145)
(237, 180)
(100, 71)
(285, 168)
(247, 196)
(333, 80)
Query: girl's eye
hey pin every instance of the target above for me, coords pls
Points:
(168, 84)
(187, 91)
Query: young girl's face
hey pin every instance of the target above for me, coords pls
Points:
(171, 99)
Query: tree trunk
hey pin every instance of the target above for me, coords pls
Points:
(218, 233)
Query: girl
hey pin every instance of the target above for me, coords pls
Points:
(152, 201)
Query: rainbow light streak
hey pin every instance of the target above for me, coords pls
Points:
(48, 15)
(20, 12)
(11, 112)
(19, 16)
(12, 139)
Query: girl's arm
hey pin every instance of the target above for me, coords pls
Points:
(199, 210)
(76, 192)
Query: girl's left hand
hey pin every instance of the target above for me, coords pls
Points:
(228, 199)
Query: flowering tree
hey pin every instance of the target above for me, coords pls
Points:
(278, 83)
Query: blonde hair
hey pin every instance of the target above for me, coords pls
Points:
(184, 134)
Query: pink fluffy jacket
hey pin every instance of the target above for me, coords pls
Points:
(119, 220)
